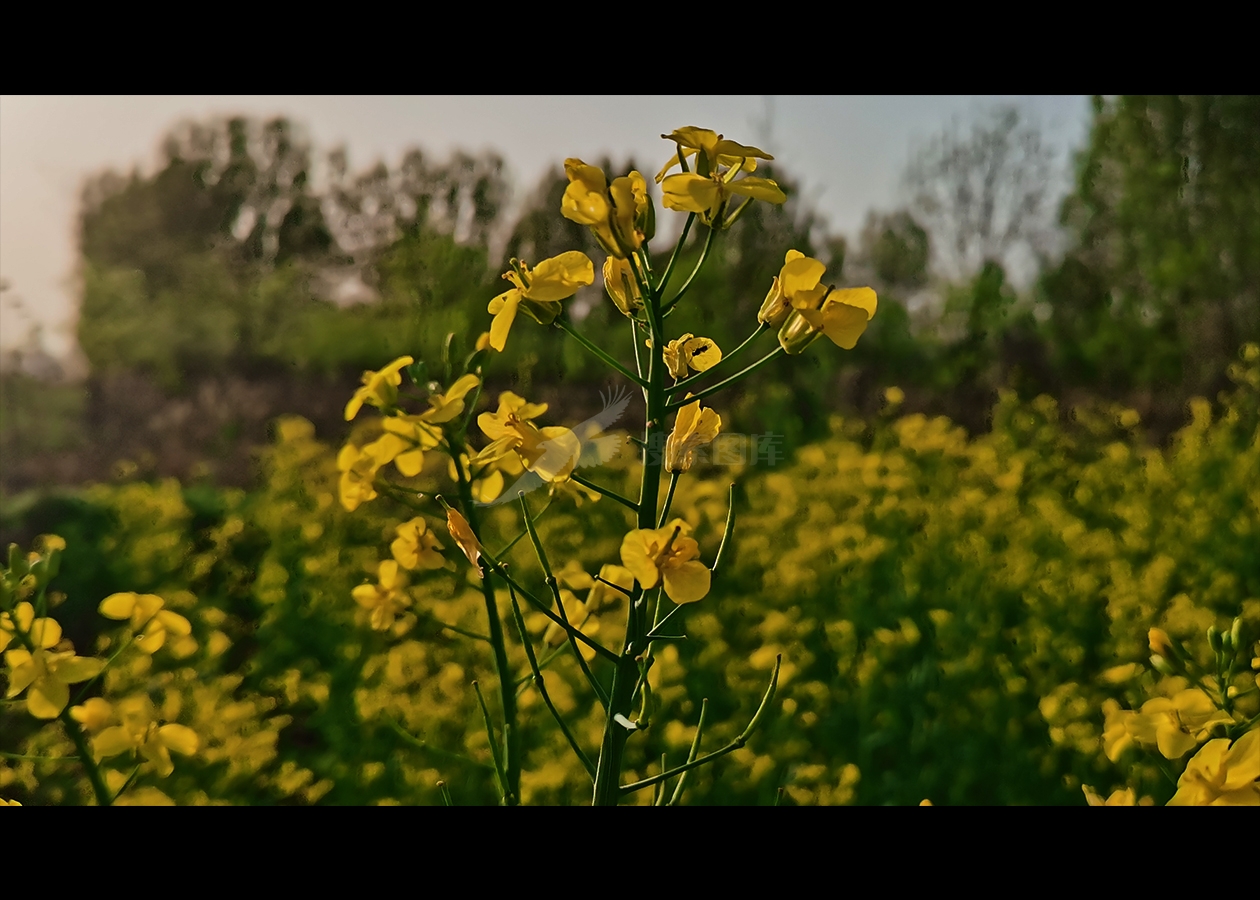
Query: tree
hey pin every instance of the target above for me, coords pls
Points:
(985, 195)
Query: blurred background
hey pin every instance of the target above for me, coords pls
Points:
(178, 273)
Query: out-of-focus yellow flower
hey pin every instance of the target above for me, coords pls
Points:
(463, 535)
(1160, 643)
(24, 613)
(552, 452)
(707, 190)
(407, 437)
(538, 291)
(925, 802)
(387, 598)
(1120, 797)
(1222, 774)
(619, 214)
(94, 714)
(486, 473)
(416, 547)
(4, 802)
(145, 612)
(693, 428)
(1178, 724)
(667, 554)
(689, 352)
(380, 389)
(358, 466)
(141, 733)
(1116, 735)
(47, 674)
(621, 285)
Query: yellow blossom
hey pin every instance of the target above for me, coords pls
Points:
(538, 291)
(693, 427)
(707, 190)
(1116, 735)
(463, 536)
(620, 214)
(1222, 774)
(551, 452)
(800, 276)
(690, 353)
(1119, 797)
(1176, 725)
(94, 714)
(387, 598)
(47, 674)
(358, 468)
(667, 554)
(141, 733)
(416, 547)
(842, 315)
(622, 286)
(24, 613)
(380, 389)
(407, 437)
(145, 612)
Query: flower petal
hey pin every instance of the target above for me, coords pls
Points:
(687, 582)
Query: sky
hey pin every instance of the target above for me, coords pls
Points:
(848, 153)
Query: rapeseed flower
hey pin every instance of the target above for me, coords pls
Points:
(550, 452)
(1222, 774)
(619, 214)
(693, 428)
(538, 291)
(1177, 724)
(48, 674)
(689, 353)
(622, 286)
(668, 555)
(387, 598)
(707, 190)
(140, 733)
(380, 389)
(416, 547)
(145, 612)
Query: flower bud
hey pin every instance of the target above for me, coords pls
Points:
(796, 333)
(1159, 642)
(1235, 634)
(1159, 664)
(1214, 639)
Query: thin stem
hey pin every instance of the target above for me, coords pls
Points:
(610, 494)
(704, 254)
(717, 754)
(688, 382)
(566, 326)
(652, 635)
(436, 751)
(669, 498)
(516, 540)
(673, 259)
(773, 354)
(541, 684)
(446, 794)
(691, 757)
(726, 532)
(494, 751)
(555, 594)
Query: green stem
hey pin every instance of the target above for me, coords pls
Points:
(436, 751)
(511, 737)
(669, 498)
(494, 750)
(717, 754)
(673, 259)
(562, 322)
(773, 354)
(446, 794)
(542, 687)
(611, 495)
(554, 586)
(691, 757)
(704, 254)
(686, 383)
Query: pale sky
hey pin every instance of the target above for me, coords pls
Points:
(849, 153)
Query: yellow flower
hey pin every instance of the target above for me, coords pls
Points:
(387, 598)
(707, 190)
(1178, 724)
(141, 733)
(551, 453)
(1222, 774)
(1120, 797)
(94, 714)
(689, 352)
(47, 674)
(653, 555)
(463, 536)
(800, 275)
(622, 286)
(416, 546)
(620, 214)
(1116, 735)
(380, 389)
(145, 611)
(358, 468)
(538, 291)
(407, 437)
(841, 315)
(693, 427)
(24, 613)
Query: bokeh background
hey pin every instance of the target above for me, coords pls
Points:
(1045, 444)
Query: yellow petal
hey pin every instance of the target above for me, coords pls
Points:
(502, 323)
(119, 606)
(687, 582)
(800, 273)
(689, 192)
(76, 669)
(179, 738)
(47, 698)
(45, 633)
(112, 741)
(758, 188)
(638, 556)
(410, 463)
(1242, 764)
(174, 622)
